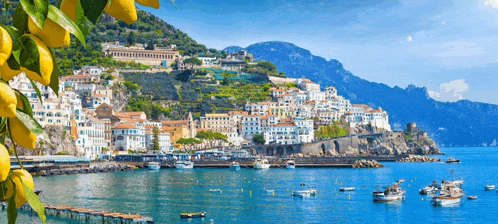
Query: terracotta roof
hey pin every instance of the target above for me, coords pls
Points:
(285, 125)
(307, 81)
(169, 128)
(149, 126)
(100, 95)
(201, 130)
(360, 105)
(347, 113)
(252, 116)
(125, 126)
(173, 122)
(79, 76)
(264, 118)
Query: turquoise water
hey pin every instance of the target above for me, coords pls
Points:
(165, 193)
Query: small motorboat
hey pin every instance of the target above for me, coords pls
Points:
(290, 164)
(154, 165)
(347, 189)
(214, 190)
(389, 194)
(451, 160)
(428, 190)
(304, 194)
(449, 195)
(489, 188)
(193, 215)
(401, 181)
(472, 198)
(180, 165)
(260, 164)
(270, 191)
(235, 166)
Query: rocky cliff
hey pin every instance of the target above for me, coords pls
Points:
(60, 139)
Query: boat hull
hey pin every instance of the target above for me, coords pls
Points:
(290, 166)
(387, 198)
(184, 167)
(261, 166)
(154, 167)
(441, 201)
(235, 168)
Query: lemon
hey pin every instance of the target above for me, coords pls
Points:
(26, 179)
(52, 33)
(7, 73)
(46, 63)
(21, 134)
(5, 45)
(68, 7)
(149, 3)
(123, 10)
(4, 163)
(8, 101)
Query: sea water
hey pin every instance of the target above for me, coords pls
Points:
(164, 194)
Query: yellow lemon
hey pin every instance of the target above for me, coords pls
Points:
(21, 134)
(4, 163)
(68, 7)
(7, 73)
(123, 10)
(19, 104)
(26, 179)
(8, 101)
(46, 63)
(5, 45)
(52, 34)
(149, 3)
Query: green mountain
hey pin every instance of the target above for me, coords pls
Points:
(463, 123)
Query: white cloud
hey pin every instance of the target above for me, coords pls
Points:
(409, 38)
(451, 91)
(491, 3)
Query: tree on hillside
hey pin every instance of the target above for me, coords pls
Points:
(155, 140)
(211, 137)
(150, 45)
(132, 38)
(259, 139)
(193, 61)
(226, 81)
(267, 66)
(213, 51)
(188, 142)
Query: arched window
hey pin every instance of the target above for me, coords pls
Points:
(120, 137)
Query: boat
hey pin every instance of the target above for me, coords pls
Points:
(184, 165)
(428, 190)
(451, 160)
(401, 181)
(235, 166)
(472, 198)
(154, 165)
(347, 189)
(449, 195)
(214, 190)
(304, 193)
(443, 184)
(193, 215)
(290, 164)
(490, 188)
(389, 194)
(261, 164)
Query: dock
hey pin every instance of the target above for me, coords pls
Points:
(85, 214)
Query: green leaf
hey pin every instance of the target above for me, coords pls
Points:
(60, 18)
(37, 91)
(20, 20)
(13, 63)
(37, 10)
(34, 202)
(11, 207)
(29, 57)
(93, 9)
(33, 126)
(54, 78)
(83, 23)
(25, 103)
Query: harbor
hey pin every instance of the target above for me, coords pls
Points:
(228, 196)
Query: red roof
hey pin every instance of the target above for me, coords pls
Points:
(125, 126)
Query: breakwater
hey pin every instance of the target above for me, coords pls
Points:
(418, 159)
(100, 168)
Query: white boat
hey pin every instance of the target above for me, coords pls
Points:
(490, 188)
(184, 165)
(472, 198)
(154, 165)
(389, 194)
(261, 164)
(235, 166)
(449, 195)
(290, 164)
(401, 181)
(428, 190)
(214, 190)
(444, 184)
(304, 194)
(347, 189)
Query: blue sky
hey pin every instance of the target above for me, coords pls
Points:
(447, 46)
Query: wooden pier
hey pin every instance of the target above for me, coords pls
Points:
(84, 214)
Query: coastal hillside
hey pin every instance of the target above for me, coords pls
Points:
(463, 123)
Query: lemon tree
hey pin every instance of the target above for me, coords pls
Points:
(26, 47)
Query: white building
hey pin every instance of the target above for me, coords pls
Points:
(164, 141)
(126, 137)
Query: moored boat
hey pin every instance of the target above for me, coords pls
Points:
(449, 195)
(193, 215)
(389, 194)
(154, 165)
(427, 190)
(472, 198)
(347, 189)
(235, 166)
(304, 193)
(490, 188)
(184, 165)
(290, 164)
(261, 164)
(401, 181)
